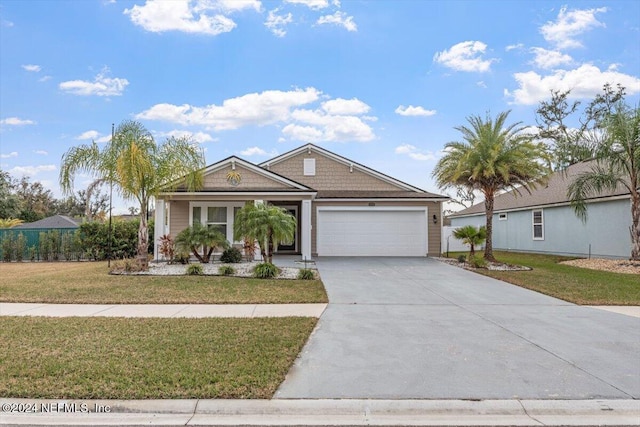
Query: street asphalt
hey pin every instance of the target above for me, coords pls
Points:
(416, 328)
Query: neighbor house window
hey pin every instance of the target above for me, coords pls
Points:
(502, 217)
(309, 167)
(538, 225)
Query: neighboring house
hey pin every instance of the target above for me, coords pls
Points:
(342, 207)
(52, 222)
(545, 222)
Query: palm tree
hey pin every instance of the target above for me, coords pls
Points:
(201, 236)
(267, 224)
(492, 157)
(471, 236)
(616, 163)
(138, 168)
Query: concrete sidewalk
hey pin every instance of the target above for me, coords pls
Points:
(511, 412)
(162, 310)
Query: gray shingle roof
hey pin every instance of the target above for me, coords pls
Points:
(56, 221)
(555, 191)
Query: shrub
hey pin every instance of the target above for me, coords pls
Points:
(8, 247)
(127, 265)
(195, 270)
(462, 258)
(226, 270)
(45, 246)
(265, 270)
(21, 245)
(167, 247)
(182, 257)
(477, 262)
(231, 255)
(306, 274)
(33, 251)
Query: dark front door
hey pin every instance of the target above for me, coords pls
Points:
(293, 247)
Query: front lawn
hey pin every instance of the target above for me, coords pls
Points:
(89, 283)
(574, 284)
(115, 358)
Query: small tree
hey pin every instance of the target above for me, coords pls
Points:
(198, 237)
(267, 224)
(471, 236)
(167, 247)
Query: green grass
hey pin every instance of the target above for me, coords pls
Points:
(574, 284)
(89, 283)
(107, 358)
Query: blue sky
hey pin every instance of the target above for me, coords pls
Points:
(381, 82)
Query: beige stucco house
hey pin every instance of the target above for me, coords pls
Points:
(342, 207)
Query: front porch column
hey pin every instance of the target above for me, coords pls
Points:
(159, 227)
(305, 229)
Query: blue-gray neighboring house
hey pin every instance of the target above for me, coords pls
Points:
(545, 222)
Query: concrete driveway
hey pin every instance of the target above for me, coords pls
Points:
(416, 328)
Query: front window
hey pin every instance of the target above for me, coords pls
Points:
(538, 225)
(217, 217)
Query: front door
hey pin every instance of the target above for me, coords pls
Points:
(293, 247)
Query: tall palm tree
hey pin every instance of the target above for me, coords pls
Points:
(493, 156)
(471, 236)
(617, 163)
(267, 224)
(138, 168)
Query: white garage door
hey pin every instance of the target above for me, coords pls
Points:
(372, 232)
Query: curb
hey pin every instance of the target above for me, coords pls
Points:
(340, 412)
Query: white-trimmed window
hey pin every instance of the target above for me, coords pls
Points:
(537, 217)
(502, 217)
(216, 214)
(309, 167)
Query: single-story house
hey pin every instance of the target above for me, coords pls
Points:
(545, 222)
(342, 208)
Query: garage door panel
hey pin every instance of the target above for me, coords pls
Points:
(372, 233)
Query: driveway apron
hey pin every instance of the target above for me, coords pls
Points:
(404, 328)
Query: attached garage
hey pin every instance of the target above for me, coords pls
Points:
(372, 231)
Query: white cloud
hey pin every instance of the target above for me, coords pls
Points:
(41, 152)
(334, 120)
(9, 155)
(258, 109)
(32, 68)
(94, 136)
(584, 82)
(31, 170)
(569, 24)
(345, 106)
(90, 134)
(199, 137)
(338, 18)
(511, 47)
(481, 84)
(257, 151)
(414, 111)
(413, 152)
(277, 23)
(312, 4)
(44, 78)
(465, 56)
(184, 15)
(15, 121)
(549, 59)
(231, 6)
(100, 86)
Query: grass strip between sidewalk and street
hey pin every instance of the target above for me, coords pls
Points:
(90, 283)
(574, 284)
(91, 358)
